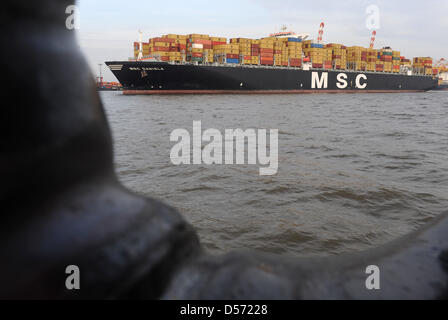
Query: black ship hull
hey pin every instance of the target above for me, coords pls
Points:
(166, 78)
(443, 87)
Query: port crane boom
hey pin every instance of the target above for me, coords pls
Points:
(372, 39)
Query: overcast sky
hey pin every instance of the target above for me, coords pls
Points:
(109, 27)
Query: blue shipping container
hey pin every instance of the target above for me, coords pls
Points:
(316, 45)
(294, 39)
(233, 60)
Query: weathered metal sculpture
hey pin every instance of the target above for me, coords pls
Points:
(63, 205)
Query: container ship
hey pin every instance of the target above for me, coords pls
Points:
(284, 62)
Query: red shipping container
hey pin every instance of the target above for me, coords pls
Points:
(165, 58)
(317, 65)
(162, 40)
(207, 46)
(218, 43)
(267, 55)
(264, 50)
(267, 61)
(197, 54)
(182, 47)
(203, 41)
(295, 62)
(232, 56)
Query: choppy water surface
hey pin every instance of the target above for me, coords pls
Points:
(354, 170)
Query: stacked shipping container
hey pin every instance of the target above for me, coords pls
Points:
(338, 55)
(201, 48)
(423, 65)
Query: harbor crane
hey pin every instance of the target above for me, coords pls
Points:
(372, 39)
(321, 33)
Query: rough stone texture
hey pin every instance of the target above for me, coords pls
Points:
(62, 203)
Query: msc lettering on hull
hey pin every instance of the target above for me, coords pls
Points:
(321, 82)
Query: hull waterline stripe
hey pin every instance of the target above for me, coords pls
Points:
(168, 92)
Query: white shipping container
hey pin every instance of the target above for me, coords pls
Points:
(198, 46)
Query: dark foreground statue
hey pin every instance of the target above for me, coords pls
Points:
(62, 204)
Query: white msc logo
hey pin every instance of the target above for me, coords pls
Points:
(322, 81)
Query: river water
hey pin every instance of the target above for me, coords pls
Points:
(355, 171)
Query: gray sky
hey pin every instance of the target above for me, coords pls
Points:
(108, 28)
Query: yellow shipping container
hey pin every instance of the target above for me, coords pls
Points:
(245, 48)
(218, 39)
(334, 46)
(244, 40)
(161, 44)
(198, 36)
